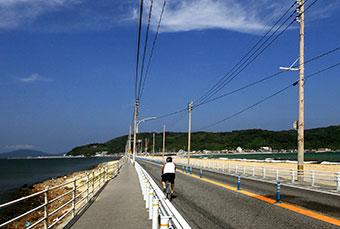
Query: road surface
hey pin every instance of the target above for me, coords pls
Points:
(206, 205)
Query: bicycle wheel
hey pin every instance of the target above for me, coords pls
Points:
(168, 191)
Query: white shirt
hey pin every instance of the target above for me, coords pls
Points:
(169, 168)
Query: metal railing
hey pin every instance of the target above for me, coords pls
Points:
(158, 205)
(322, 180)
(64, 200)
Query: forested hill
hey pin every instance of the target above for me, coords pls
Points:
(327, 137)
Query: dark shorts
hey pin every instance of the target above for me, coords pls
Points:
(168, 177)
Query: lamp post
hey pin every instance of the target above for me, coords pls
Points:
(136, 132)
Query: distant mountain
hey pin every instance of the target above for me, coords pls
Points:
(23, 153)
(325, 137)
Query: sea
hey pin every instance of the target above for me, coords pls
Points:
(15, 173)
(322, 157)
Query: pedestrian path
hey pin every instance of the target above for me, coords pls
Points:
(119, 205)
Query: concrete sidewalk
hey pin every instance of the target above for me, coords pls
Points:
(119, 205)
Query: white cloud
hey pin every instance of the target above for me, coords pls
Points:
(252, 16)
(35, 77)
(15, 13)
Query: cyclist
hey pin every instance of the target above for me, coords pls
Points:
(168, 174)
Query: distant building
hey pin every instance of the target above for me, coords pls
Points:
(266, 149)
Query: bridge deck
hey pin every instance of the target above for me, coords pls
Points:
(120, 205)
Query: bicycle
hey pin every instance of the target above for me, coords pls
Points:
(168, 194)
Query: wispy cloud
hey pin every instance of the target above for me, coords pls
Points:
(253, 16)
(34, 78)
(16, 13)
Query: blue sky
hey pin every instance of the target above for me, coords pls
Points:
(67, 68)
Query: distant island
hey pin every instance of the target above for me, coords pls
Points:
(254, 139)
(23, 153)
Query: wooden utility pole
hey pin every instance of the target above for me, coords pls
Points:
(129, 147)
(163, 151)
(146, 145)
(135, 120)
(301, 122)
(189, 131)
(153, 143)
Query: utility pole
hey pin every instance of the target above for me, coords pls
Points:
(189, 131)
(146, 145)
(163, 151)
(153, 143)
(129, 148)
(301, 123)
(135, 130)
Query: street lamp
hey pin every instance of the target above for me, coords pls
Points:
(144, 120)
(137, 125)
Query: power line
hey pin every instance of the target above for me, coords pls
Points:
(152, 49)
(145, 48)
(267, 77)
(216, 85)
(138, 46)
(228, 79)
(250, 84)
(270, 96)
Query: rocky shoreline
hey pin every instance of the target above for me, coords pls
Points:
(26, 205)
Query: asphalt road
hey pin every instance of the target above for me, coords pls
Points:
(206, 205)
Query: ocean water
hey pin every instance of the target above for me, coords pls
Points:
(14, 173)
(317, 157)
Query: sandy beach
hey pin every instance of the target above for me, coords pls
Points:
(274, 165)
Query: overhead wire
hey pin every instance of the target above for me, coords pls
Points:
(250, 84)
(245, 64)
(270, 96)
(138, 47)
(216, 85)
(152, 49)
(267, 77)
(145, 49)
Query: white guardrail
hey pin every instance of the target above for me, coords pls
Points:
(72, 197)
(317, 180)
(161, 211)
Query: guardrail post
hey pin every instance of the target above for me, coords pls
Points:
(92, 184)
(263, 172)
(228, 167)
(292, 176)
(236, 168)
(155, 213)
(87, 187)
(74, 194)
(46, 209)
(253, 171)
(147, 190)
(201, 172)
(277, 174)
(244, 170)
(165, 220)
(105, 174)
(238, 182)
(313, 178)
(151, 195)
(278, 192)
(338, 181)
(146, 193)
